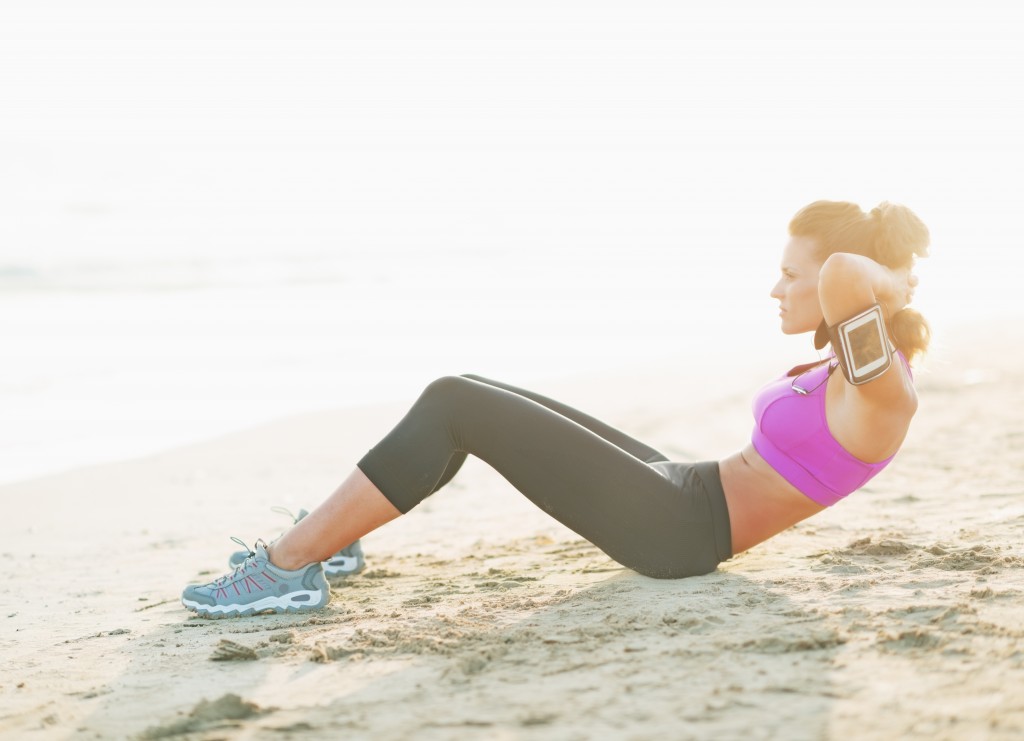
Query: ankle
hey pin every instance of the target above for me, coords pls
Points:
(282, 560)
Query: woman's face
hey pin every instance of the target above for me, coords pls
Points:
(797, 289)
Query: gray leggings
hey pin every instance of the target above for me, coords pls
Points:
(662, 519)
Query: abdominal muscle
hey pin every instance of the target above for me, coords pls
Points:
(761, 503)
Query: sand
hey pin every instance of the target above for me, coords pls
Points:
(896, 614)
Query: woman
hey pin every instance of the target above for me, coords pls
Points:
(820, 435)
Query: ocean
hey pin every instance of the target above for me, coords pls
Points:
(106, 361)
(210, 218)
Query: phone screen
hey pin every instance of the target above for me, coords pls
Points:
(866, 344)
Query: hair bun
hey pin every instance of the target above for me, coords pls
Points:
(890, 234)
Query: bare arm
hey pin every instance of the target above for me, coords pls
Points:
(849, 284)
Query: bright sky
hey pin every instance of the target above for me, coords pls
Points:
(536, 181)
(579, 129)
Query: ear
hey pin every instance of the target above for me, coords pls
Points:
(821, 337)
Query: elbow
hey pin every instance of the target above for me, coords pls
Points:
(835, 274)
(842, 286)
(838, 267)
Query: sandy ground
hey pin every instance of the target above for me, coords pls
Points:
(896, 614)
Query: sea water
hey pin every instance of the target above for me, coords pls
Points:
(107, 360)
(211, 218)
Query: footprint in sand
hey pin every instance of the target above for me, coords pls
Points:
(982, 558)
(381, 574)
(227, 650)
(207, 715)
(860, 554)
(907, 640)
(884, 547)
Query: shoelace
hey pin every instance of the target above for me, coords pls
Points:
(284, 511)
(249, 560)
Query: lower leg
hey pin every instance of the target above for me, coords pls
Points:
(620, 503)
(356, 508)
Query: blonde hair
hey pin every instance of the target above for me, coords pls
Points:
(890, 234)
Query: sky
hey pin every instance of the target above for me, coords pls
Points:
(479, 180)
(145, 130)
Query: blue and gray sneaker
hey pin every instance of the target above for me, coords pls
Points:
(256, 585)
(346, 562)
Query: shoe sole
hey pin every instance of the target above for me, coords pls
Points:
(343, 566)
(308, 600)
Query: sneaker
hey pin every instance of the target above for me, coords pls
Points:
(346, 562)
(256, 585)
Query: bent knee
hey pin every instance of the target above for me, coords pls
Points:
(445, 385)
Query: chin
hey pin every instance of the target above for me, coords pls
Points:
(790, 328)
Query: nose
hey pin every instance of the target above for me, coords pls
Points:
(776, 291)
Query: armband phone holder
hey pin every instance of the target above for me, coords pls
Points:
(861, 345)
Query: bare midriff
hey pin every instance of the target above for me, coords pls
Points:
(761, 503)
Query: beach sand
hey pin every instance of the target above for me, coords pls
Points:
(895, 614)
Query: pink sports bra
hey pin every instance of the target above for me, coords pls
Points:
(792, 435)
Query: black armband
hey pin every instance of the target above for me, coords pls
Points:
(862, 345)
